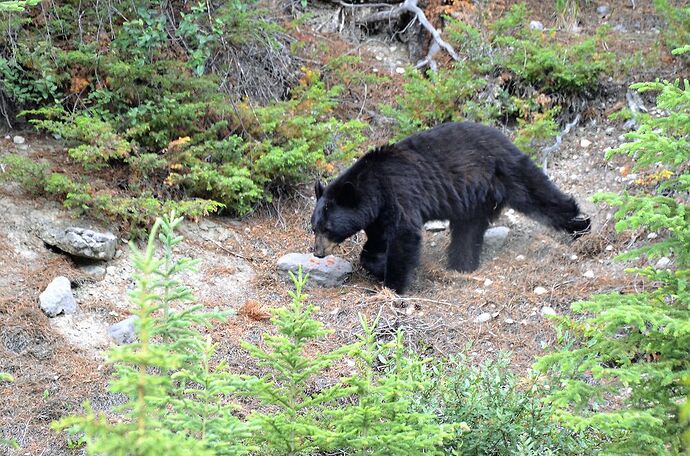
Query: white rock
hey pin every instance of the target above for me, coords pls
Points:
(540, 291)
(483, 318)
(400, 70)
(496, 237)
(436, 225)
(18, 140)
(652, 236)
(663, 263)
(603, 10)
(546, 310)
(488, 282)
(58, 298)
(509, 321)
(573, 257)
(520, 258)
(589, 274)
(585, 143)
(609, 248)
(536, 25)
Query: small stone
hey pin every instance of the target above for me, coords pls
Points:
(95, 271)
(18, 139)
(509, 321)
(483, 318)
(630, 125)
(56, 136)
(520, 258)
(573, 257)
(663, 263)
(536, 25)
(8, 137)
(433, 243)
(603, 10)
(400, 70)
(330, 271)
(496, 237)
(609, 131)
(652, 235)
(546, 310)
(589, 274)
(57, 298)
(124, 331)
(488, 282)
(379, 57)
(540, 291)
(436, 225)
(585, 143)
(609, 248)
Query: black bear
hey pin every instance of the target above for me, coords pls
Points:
(462, 172)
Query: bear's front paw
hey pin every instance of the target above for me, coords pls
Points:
(374, 264)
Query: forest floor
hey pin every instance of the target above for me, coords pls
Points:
(58, 363)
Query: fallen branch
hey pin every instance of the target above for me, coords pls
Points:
(548, 150)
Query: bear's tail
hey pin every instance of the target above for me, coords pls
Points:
(533, 194)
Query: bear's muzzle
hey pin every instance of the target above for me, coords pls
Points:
(323, 246)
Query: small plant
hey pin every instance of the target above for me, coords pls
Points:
(11, 443)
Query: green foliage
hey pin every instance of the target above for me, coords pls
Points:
(495, 413)
(17, 6)
(29, 174)
(677, 32)
(142, 95)
(511, 73)
(628, 376)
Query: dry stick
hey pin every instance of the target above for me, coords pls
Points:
(548, 150)
(412, 7)
(220, 246)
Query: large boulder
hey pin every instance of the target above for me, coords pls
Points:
(81, 242)
(330, 271)
(58, 298)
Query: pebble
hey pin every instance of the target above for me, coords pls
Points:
(620, 28)
(652, 235)
(603, 10)
(488, 282)
(609, 248)
(585, 143)
(536, 25)
(663, 263)
(546, 310)
(18, 140)
(483, 318)
(573, 257)
(589, 274)
(520, 258)
(509, 321)
(400, 70)
(436, 225)
(540, 291)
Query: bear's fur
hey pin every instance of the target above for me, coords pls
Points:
(462, 172)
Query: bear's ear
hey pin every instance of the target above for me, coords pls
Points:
(347, 195)
(318, 189)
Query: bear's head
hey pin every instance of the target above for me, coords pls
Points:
(336, 217)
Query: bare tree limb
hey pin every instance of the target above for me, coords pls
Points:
(554, 147)
(412, 7)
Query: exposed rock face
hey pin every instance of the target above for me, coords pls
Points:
(330, 271)
(58, 298)
(81, 242)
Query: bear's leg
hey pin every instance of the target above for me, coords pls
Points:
(402, 259)
(467, 237)
(373, 256)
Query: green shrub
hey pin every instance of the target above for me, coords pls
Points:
(677, 32)
(31, 175)
(496, 413)
(627, 377)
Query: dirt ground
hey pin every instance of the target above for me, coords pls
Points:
(58, 363)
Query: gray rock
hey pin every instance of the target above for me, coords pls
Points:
(330, 271)
(603, 10)
(536, 25)
(124, 332)
(436, 225)
(483, 318)
(81, 242)
(95, 271)
(18, 140)
(494, 238)
(58, 298)
(663, 263)
(630, 124)
(620, 28)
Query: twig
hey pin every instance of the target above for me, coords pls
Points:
(225, 249)
(548, 150)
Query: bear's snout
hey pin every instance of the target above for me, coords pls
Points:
(322, 246)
